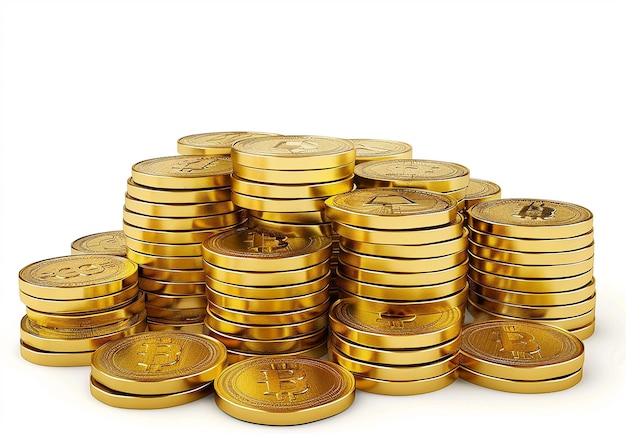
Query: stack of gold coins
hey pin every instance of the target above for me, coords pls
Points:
(172, 204)
(284, 391)
(532, 259)
(156, 369)
(520, 357)
(76, 303)
(108, 242)
(479, 190)
(214, 143)
(437, 176)
(283, 181)
(401, 352)
(377, 149)
(267, 291)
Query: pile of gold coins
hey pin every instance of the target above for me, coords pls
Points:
(76, 303)
(172, 205)
(532, 259)
(268, 293)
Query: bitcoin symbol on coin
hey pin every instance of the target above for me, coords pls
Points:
(283, 381)
(396, 321)
(191, 165)
(260, 242)
(536, 211)
(521, 345)
(158, 355)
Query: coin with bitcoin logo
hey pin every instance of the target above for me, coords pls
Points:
(183, 172)
(108, 242)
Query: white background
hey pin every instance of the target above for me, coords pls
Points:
(530, 95)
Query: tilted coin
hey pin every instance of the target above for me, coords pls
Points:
(213, 143)
(108, 242)
(479, 190)
(381, 149)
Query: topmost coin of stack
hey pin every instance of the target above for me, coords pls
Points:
(532, 259)
(368, 150)
(214, 143)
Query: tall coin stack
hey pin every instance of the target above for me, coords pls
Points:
(283, 181)
(401, 278)
(172, 205)
(532, 259)
(268, 292)
(76, 303)
(214, 143)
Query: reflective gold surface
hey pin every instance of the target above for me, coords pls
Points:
(183, 172)
(108, 242)
(213, 143)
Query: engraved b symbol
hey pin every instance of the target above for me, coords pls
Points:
(157, 355)
(521, 344)
(282, 381)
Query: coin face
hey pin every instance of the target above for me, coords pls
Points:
(520, 350)
(530, 218)
(158, 362)
(482, 189)
(284, 390)
(183, 172)
(377, 149)
(109, 242)
(214, 143)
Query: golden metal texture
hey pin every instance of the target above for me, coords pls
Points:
(479, 190)
(406, 388)
(237, 291)
(290, 191)
(183, 172)
(177, 196)
(155, 286)
(380, 149)
(531, 245)
(162, 262)
(522, 387)
(164, 249)
(54, 359)
(531, 258)
(288, 177)
(184, 223)
(530, 285)
(177, 210)
(269, 278)
(273, 205)
(530, 271)
(189, 276)
(213, 143)
(108, 243)
(269, 318)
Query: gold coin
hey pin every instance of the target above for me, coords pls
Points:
(400, 293)
(177, 210)
(269, 347)
(273, 205)
(54, 359)
(530, 271)
(214, 143)
(525, 387)
(176, 302)
(391, 208)
(479, 190)
(430, 250)
(289, 229)
(281, 391)
(177, 196)
(82, 305)
(269, 292)
(531, 245)
(269, 278)
(274, 305)
(78, 339)
(518, 350)
(263, 250)
(530, 218)
(164, 249)
(293, 152)
(379, 149)
(183, 172)
(534, 298)
(317, 351)
(189, 276)
(269, 318)
(77, 276)
(531, 258)
(410, 329)
(393, 372)
(405, 279)
(108, 242)
(161, 262)
(530, 285)
(405, 388)
(395, 357)
(175, 315)
(433, 175)
(156, 286)
(401, 265)
(304, 217)
(90, 319)
(158, 362)
(184, 223)
(194, 325)
(421, 236)
(153, 401)
(584, 332)
(172, 237)
(291, 191)
(288, 177)
(534, 312)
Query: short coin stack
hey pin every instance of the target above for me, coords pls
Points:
(156, 369)
(438, 176)
(368, 150)
(520, 357)
(402, 254)
(172, 204)
(267, 291)
(283, 181)
(214, 143)
(532, 259)
(75, 304)
(108, 242)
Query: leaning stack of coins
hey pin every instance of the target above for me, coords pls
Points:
(368, 150)
(479, 190)
(108, 242)
(401, 352)
(520, 357)
(402, 254)
(156, 369)
(267, 291)
(172, 204)
(437, 176)
(214, 143)
(532, 259)
(283, 181)
(76, 303)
